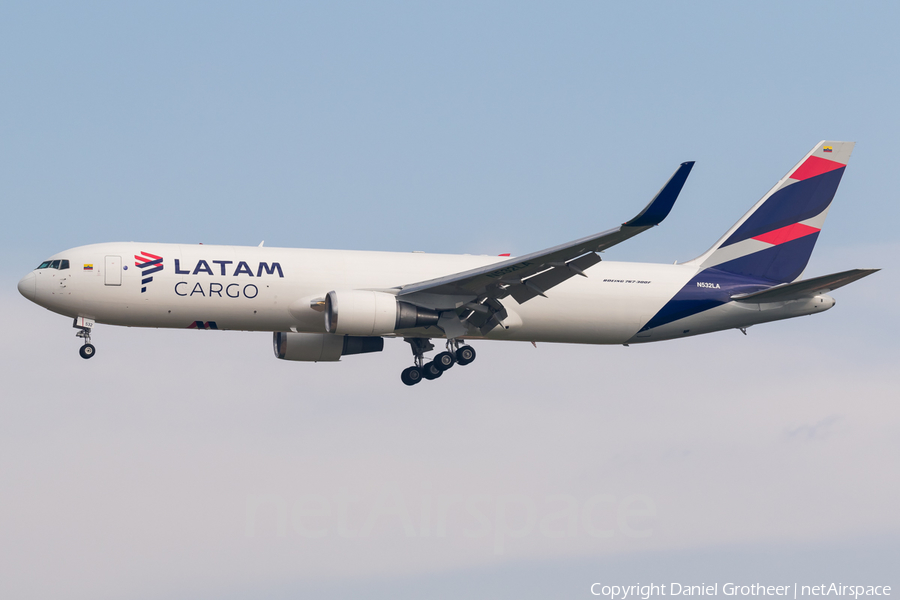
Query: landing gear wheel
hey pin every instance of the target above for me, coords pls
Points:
(411, 375)
(465, 355)
(444, 361)
(431, 371)
(87, 351)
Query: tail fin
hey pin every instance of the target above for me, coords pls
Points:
(775, 239)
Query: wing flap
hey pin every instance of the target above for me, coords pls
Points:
(527, 289)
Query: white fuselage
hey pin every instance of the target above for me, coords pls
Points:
(271, 289)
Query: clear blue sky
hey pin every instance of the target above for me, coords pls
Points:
(479, 128)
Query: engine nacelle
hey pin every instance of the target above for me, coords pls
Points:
(363, 312)
(322, 347)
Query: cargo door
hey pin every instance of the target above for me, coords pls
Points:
(112, 274)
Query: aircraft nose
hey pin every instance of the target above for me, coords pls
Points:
(27, 286)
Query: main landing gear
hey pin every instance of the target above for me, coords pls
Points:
(436, 367)
(83, 326)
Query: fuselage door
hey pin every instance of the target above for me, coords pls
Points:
(112, 274)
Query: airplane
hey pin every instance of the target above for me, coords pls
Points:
(322, 305)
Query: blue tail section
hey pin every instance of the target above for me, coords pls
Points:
(771, 244)
(781, 263)
(775, 239)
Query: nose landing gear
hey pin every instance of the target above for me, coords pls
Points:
(84, 326)
(455, 354)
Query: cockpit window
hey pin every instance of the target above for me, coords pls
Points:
(54, 264)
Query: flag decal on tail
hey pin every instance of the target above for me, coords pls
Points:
(827, 149)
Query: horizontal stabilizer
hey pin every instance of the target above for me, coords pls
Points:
(805, 288)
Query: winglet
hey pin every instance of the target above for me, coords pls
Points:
(659, 207)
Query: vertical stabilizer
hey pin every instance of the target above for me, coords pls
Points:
(775, 239)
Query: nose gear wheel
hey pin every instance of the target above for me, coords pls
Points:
(87, 350)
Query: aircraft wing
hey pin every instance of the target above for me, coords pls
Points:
(525, 277)
(806, 287)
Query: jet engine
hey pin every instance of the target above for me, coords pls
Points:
(322, 347)
(363, 312)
